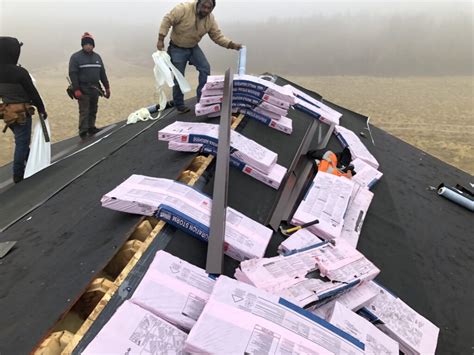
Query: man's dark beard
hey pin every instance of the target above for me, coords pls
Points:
(201, 15)
(199, 12)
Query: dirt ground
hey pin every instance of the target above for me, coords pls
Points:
(435, 114)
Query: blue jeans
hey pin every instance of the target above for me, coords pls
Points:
(180, 57)
(22, 134)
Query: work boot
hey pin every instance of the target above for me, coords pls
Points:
(17, 179)
(83, 135)
(183, 109)
(94, 130)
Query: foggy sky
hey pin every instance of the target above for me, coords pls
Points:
(400, 37)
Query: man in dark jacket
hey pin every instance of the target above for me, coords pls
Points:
(86, 69)
(17, 93)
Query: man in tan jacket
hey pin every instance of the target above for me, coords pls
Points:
(190, 22)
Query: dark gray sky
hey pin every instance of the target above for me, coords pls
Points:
(376, 37)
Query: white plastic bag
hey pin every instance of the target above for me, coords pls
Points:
(141, 115)
(40, 151)
(164, 72)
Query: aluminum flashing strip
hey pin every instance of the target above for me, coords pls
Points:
(297, 176)
(215, 249)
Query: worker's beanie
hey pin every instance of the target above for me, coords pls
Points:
(87, 39)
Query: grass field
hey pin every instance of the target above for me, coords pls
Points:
(435, 114)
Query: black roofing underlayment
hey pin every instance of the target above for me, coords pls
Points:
(421, 242)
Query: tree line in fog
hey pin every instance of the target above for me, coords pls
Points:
(385, 45)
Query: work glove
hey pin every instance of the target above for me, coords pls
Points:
(77, 94)
(107, 93)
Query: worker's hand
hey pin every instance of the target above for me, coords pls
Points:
(236, 46)
(107, 93)
(77, 94)
(160, 45)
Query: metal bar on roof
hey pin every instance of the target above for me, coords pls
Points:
(242, 60)
(215, 248)
(298, 172)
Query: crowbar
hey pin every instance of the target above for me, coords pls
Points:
(43, 127)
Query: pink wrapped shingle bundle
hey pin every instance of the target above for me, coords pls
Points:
(414, 333)
(203, 110)
(340, 268)
(174, 289)
(356, 211)
(189, 210)
(366, 175)
(326, 200)
(212, 92)
(376, 342)
(298, 240)
(214, 82)
(244, 149)
(134, 330)
(209, 100)
(272, 179)
(250, 82)
(358, 149)
(310, 105)
(355, 215)
(258, 99)
(354, 299)
(240, 319)
(184, 147)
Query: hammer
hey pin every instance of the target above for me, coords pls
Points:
(289, 231)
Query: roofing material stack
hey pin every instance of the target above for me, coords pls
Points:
(327, 200)
(376, 342)
(240, 319)
(341, 212)
(354, 299)
(336, 220)
(246, 155)
(256, 98)
(189, 210)
(243, 149)
(366, 175)
(414, 333)
(313, 107)
(336, 268)
(298, 240)
(134, 330)
(309, 280)
(358, 150)
(174, 290)
(354, 217)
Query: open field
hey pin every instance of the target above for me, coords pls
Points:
(435, 114)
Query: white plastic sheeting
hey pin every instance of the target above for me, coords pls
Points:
(165, 73)
(40, 151)
(143, 115)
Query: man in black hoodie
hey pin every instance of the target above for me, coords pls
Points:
(17, 90)
(86, 69)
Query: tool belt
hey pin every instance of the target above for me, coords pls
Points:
(95, 87)
(15, 113)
